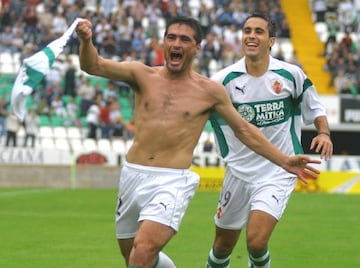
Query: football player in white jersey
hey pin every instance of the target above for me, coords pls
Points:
(275, 96)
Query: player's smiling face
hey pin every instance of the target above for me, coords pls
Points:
(256, 39)
(180, 47)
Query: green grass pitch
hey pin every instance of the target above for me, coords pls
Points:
(74, 228)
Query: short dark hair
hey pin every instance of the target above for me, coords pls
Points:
(271, 24)
(193, 23)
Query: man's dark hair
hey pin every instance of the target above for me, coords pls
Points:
(194, 24)
(271, 24)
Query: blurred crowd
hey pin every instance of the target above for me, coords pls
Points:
(123, 30)
(341, 49)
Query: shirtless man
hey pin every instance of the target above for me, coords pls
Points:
(172, 106)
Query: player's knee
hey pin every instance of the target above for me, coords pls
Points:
(223, 248)
(144, 252)
(256, 245)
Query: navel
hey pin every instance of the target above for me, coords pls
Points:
(186, 114)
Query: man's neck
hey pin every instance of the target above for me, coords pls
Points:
(257, 67)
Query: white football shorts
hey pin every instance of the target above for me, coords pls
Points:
(239, 197)
(151, 193)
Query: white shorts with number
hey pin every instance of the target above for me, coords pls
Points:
(239, 197)
(151, 193)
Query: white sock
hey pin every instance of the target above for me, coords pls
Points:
(215, 262)
(164, 261)
(260, 261)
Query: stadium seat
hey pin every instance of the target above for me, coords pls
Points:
(145, 22)
(74, 133)
(287, 49)
(44, 120)
(76, 145)
(90, 145)
(119, 146)
(7, 63)
(62, 144)
(60, 132)
(47, 143)
(104, 145)
(57, 120)
(46, 132)
(321, 30)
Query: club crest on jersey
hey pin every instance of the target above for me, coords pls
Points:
(247, 112)
(277, 86)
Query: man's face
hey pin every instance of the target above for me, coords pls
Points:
(255, 38)
(180, 47)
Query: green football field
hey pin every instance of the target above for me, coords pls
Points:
(74, 228)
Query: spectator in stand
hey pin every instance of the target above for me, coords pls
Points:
(31, 125)
(51, 91)
(6, 40)
(343, 83)
(346, 15)
(320, 9)
(31, 24)
(58, 107)
(59, 23)
(110, 90)
(13, 125)
(138, 42)
(100, 32)
(209, 50)
(332, 30)
(104, 119)
(43, 108)
(98, 91)
(224, 15)
(205, 18)
(87, 93)
(125, 31)
(116, 118)
(92, 119)
(7, 17)
(153, 12)
(154, 53)
(346, 43)
(109, 45)
(56, 72)
(46, 17)
(239, 15)
(70, 78)
(72, 111)
(17, 42)
(3, 114)
(108, 6)
(217, 29)
(230, 34)
(137, 12)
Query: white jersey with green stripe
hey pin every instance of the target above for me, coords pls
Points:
(277, 103)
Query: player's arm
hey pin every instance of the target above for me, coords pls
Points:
(92, 63)
(322, 142)
(252, 137)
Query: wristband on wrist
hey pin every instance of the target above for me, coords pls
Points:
(325, 133)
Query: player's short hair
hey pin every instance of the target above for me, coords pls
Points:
(271, 24)
(193, 23)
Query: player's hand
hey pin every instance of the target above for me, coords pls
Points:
(299, 165)
(322, 144)
(84, 30)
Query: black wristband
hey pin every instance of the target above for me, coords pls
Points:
(325, 133)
